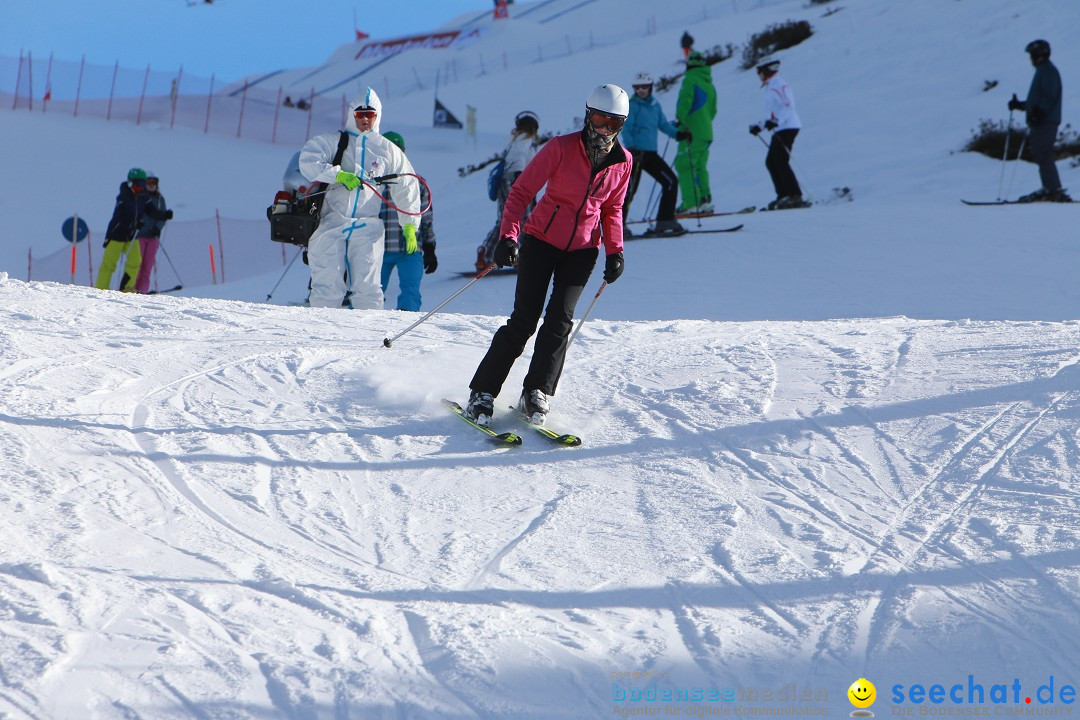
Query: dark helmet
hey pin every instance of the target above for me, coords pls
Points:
(396, 139)
(1038, 49)
(528, 121)
(136, 174)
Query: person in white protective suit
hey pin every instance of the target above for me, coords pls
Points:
(349, 239)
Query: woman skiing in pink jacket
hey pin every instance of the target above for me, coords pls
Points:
(586, 174)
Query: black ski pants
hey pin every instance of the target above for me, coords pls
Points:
(1041, 142)
(651, 162)
(538, 264)
(778, 162)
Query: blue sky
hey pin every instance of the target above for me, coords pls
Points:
(231, 38)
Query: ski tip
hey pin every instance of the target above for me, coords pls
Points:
(509, 438)
(568, 440)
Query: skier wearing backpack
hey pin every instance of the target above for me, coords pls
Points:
(1043, 110)
(522, 149)
(694, 113)
(586, 174)
(639, 135)
(349, 238)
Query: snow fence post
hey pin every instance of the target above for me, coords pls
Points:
(112, 90)
(243, 101)
(174, 95)
(221, 245)
(18, 81)
(78, 88)
(142, 96)
(277, 111)
(209, 100)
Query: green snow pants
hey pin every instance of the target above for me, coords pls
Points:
(114, 251)
(691, 165)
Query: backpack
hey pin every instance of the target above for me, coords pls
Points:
(294, 220)
(495, 179)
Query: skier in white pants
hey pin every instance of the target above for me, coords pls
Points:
(349, 239)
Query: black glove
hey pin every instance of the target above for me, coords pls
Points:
(506, 252)
(168, 214)
(1016, 103)
(613, 267)
(770, 124)
(683, 135)
(755, 129)
(430, 261)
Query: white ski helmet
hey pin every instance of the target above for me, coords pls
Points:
(642, 78)
(609, 99)
(769, 66)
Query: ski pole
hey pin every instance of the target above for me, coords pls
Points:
(1019, 155)
(586, 315)
(287, 268)
(697, 195)
(161, 246)
(388, 341)
(1005, 155)
(649, 203)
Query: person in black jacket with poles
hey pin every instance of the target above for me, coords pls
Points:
(119, 234)
(1043, 110)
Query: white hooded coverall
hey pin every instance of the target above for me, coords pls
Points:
(349, 239)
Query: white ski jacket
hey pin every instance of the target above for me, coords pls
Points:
(780, 105)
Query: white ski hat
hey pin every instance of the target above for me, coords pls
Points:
(642, 78)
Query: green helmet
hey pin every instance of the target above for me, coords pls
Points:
(396, 139)
(136, 174)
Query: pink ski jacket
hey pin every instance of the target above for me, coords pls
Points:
(580, 205)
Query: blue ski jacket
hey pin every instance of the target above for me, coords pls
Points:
(645, 119)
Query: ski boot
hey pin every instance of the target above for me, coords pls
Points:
(480, 408)
(668, 228)
(533, 405)
(1040, 195)
(790, 202)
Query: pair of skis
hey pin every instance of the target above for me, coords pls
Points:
(652, 235)
(695, 216)
(513, 439)
(1014, 202)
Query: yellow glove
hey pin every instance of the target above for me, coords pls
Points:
(409, 231)
(348, 179)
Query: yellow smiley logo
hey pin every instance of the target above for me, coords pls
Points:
(862, 693)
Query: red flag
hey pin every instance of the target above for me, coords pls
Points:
(361, 35)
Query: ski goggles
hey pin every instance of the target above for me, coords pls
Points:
(365, 113)
(601, 120)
